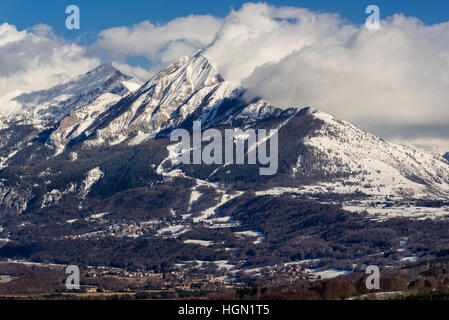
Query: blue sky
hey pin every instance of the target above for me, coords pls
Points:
(99, 15)
(102, 14)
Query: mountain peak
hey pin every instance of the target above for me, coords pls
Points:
(188, 74)
(57, 102)
(180, 88)
(106, 68)
(102, 73)
(189, 87)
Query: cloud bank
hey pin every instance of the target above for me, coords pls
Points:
(36, 59)
(398, 75)
(161, 44)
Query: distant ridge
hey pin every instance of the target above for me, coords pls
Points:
(57, 102)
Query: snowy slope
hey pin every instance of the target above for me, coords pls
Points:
(8, 105)
(190, 89)
(374, 166)
(167, 98)
(57, 102)
(79, 120)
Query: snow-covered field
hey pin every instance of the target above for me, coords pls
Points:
(251, 234)
(204, 243)
(99, 215)
(327, 274)
(382, 212)
(409, 259)
(210, 212)
(194, 196)
(375, 205)
(379, 295)
(173, 231)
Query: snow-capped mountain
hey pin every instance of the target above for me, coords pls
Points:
(190, 89)
(371, 164)
(57, 102)
(70, 123)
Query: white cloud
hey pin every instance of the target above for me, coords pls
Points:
(398, 75)
(161, 44)
(259, 34)
(437, 146)
(36, 59)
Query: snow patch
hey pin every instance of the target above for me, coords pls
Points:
(204, 243)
